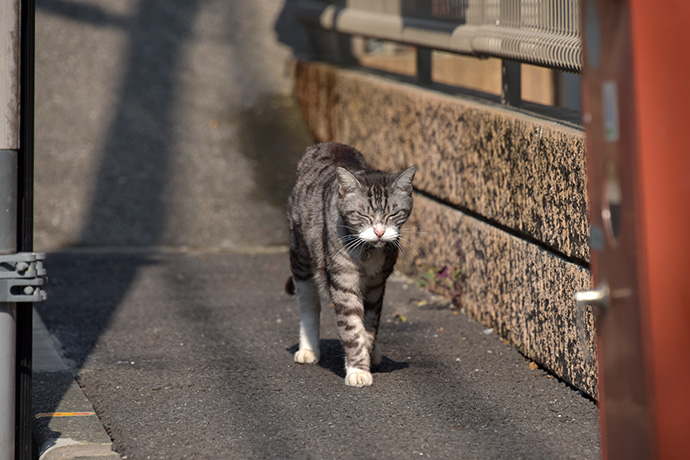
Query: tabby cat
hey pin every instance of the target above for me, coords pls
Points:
(344, 220)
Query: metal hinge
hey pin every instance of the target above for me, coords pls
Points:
(21, 277)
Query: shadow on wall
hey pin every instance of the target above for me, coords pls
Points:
(273, 136)
(138, 152)
(291, 33)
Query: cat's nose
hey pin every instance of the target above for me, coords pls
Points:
(379, 230)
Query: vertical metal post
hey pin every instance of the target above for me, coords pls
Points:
(11, 36)
(343, 46)
(511, 83)
(511, 71)
(24, 232)
(8, 311)
(423, 65)
(8, 336)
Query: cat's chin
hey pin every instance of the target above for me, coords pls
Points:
(376, 244)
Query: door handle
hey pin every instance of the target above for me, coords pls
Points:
(600, 296)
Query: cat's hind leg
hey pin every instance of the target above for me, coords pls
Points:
(310, 312)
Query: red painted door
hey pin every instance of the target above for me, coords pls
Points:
(636, 103)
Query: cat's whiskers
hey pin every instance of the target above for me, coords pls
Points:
(403, 238)
(399, 246)
(350, 242)
(417, 231)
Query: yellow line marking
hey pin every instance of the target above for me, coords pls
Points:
(63, 414)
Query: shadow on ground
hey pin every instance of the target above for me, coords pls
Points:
(128, 206)
(333, 359)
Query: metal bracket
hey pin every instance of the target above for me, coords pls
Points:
(21, 277)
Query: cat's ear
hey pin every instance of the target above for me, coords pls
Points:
(403, 181)
(347, 181)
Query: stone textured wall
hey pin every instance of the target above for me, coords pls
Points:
(522, 290)
(501, 204)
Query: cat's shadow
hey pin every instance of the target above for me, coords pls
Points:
(333, 359)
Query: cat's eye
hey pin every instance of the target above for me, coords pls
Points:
(358, 216)
(396, 215)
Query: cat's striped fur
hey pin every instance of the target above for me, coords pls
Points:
(344, 221)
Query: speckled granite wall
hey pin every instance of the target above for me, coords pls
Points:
(519, 171)
(502, 203)
(521, 290)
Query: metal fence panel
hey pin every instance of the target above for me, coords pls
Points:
(541, 32)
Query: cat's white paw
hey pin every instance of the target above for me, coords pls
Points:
(306, 356)
(376, 356)
(358, 378)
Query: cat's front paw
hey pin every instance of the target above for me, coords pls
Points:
(358, 378)
(306, 356)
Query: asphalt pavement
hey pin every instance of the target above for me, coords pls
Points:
(166, 137)
(189, 354)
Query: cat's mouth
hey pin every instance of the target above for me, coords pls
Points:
(376, 244)
(378, 235)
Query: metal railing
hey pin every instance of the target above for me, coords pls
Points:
(540, 32)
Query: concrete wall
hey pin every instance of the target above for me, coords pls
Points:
(500, 218)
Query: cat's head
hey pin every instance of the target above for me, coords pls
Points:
(375, 204)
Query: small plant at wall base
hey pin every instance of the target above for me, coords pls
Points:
(444, 281)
